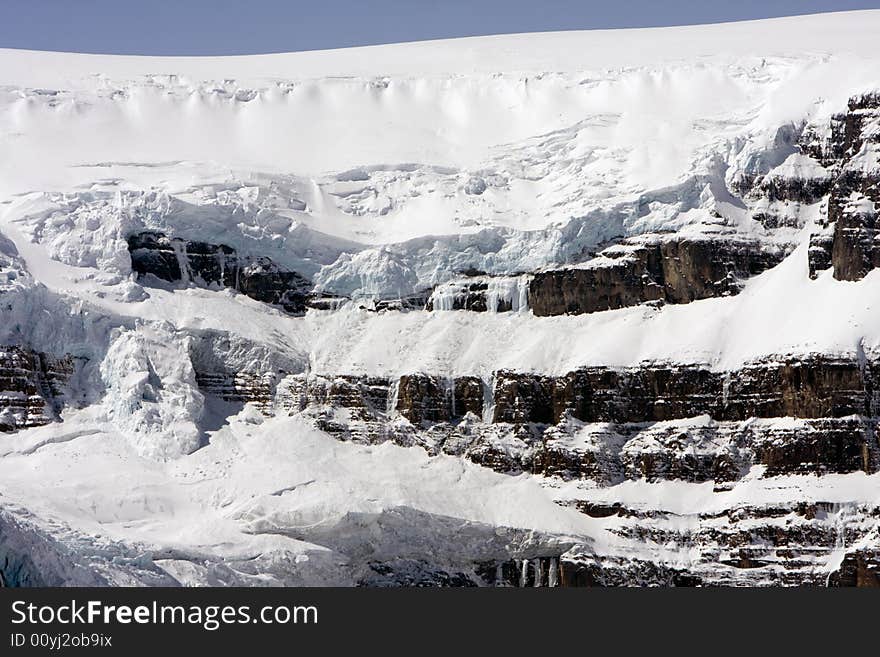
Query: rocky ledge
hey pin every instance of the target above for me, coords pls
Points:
(847, 239)
(179, 261)
(792, 416)
(32, 387)
(652, 268)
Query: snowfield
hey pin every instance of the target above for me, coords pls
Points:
(380, 173)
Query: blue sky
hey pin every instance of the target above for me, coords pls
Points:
(214, 27)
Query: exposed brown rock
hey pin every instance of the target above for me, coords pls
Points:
(610, 424)
(422, 398)
(674, 270)
(467, 396)
(521, 397)
(810, 387)
(617, 283)
(819, 253)
(853, 210)
(592, 571)
(240, 387)
(813, 387)
(32, 387)
(851, 244)
(860, 568)
(175, 260)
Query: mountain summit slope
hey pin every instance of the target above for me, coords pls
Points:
(587, 308)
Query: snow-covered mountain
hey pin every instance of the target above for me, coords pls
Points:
(582, 308)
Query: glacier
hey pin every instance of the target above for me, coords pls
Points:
(576, 308)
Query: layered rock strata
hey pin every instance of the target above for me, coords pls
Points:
(668, 270)
(813, 416)
(32, 387)
(179, 261)
(847, 236)
(656, 422)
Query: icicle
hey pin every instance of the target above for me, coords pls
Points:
(522, 304)
(450, 383)
(511, 293)
(179, 247)
(524, 574)
(538, 574)
(553, 576)
(443, 297)
(221, 256)
(488, 399)
(393, 391)
(499, 575)
(493, 296)
(498, 291)
(835, 560)
(507, 292)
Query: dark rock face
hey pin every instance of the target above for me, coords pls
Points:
(363, 408)
(153, 253)
(424, 399)
(347, 407)
(847, 132)
(624, 282)
(778, 197)
(652, 423)
(240, 387)
(490, 455)
(671, 270)
(649, 393)
(521, 398)
(799, 190)
(636, 271)
(819, 253)
(845, 445)
(701, 451)
(366, 395)
(853, 209)
(860, 568)
(809, 388)
(467, 396)
(817, 387)
(175, 260)
(700, 269)
(32, 387)
(783, 544)
(862, 111)
(354, 408)
(655, 422)
(409, 572)
(532, 572)
(565, 452)
(590, 571)
(264, 281)
(851, 244)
